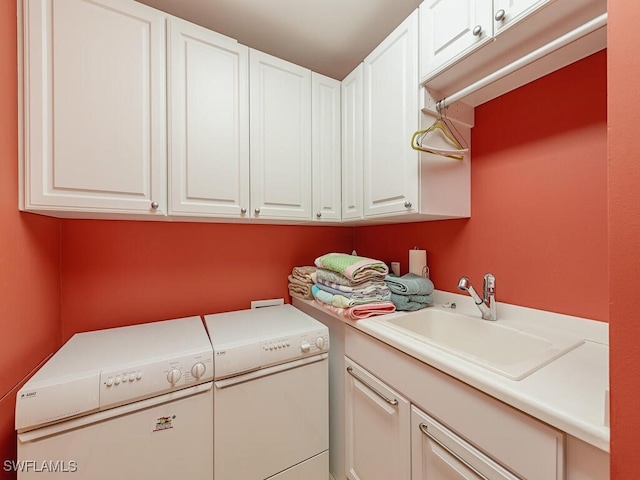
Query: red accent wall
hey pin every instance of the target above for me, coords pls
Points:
(539, 200)
(624, 236)
(29, 257)
(118, 273)
(545, 244)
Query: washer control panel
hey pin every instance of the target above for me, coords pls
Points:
(239, 358)
(133, 382)
(292, 347)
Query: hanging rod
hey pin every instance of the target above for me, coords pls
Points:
(579, 32)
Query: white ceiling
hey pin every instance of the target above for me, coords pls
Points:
(327, 36)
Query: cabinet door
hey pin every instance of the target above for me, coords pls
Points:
(376, 428)
(208, 123)
(391, 115)
(352, 143)
(509, 12)
(438, 453)
(280, 122)
(450, 30)
(94, 107)
(325, 135)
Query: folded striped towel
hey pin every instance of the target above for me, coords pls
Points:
(409, 284)
(368, 291)
(352, 266)
(338, 300)
(361, 311)
(329, 277)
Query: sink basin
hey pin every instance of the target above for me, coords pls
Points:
(505, 350)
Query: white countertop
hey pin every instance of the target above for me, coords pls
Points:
(568, 393)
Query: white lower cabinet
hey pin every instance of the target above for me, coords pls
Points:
(455, 432)
(376, 428)
(438, 453)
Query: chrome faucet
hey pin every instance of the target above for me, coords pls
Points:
(487, 304)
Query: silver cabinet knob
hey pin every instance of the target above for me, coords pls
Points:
(407, 204)
(500, 15)
(477, 30)
(243, 210)
(319, 214)
(154, 205)
(257, 211)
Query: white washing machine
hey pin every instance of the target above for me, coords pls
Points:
(271, 395)
(123, 403)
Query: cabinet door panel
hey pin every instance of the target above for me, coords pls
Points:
(209, 122)
(391, 113)
(447, 32)
(377, 435)
(438, 453)
(514, 11)
(326, 153)
(280, 106)
(352, 144)
(95, 106)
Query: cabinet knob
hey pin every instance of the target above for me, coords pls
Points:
(257, 211)
(319, 214)
(243, 210)
(500, 15)
(154, 205)
(477, 30)
(407, 204)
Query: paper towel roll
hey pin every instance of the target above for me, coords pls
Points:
(417, 261)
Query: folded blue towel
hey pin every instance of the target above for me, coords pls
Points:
(404, 303)
(409, 284)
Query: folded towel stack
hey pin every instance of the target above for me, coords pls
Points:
(352, 286)
(300, 282)
(410, 292)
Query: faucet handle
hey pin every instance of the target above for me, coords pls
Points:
(489, 284)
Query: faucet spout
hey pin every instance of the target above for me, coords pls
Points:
(486, 304)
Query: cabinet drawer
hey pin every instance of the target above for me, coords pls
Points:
(527, 447)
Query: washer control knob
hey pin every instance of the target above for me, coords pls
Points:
(173, 376)
(198, 369)
(305, 347)
(320, 342)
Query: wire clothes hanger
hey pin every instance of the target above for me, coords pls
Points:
(449, 132)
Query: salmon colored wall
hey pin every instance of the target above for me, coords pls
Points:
(539, 200)
(29, 257)
(120, 273)
(624, 237)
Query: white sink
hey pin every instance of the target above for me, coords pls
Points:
(505, 350)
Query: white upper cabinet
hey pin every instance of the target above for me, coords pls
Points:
(94, 118)
(280, 119)
(509, 12)
(391, 116)
(326, 148)
(208, 123)
(451, 29)
(452, 32)
(352, 144)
